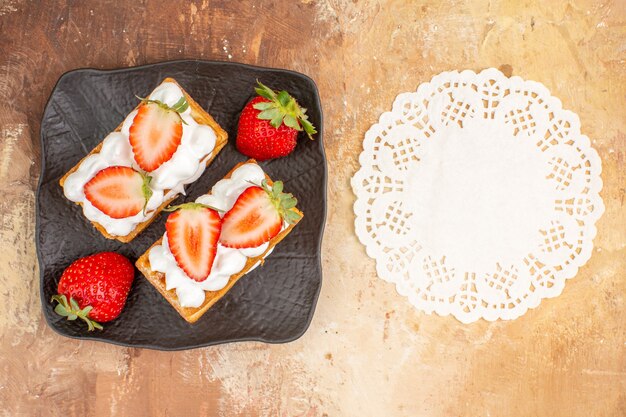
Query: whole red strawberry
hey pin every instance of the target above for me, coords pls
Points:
(269, 125)
(94, 288)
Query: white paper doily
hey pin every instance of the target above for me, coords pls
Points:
(477, 195)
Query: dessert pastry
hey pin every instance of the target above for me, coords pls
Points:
(165, 143)
(211, 243)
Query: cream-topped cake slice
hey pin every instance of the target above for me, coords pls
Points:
(161, 146)
(237, 248)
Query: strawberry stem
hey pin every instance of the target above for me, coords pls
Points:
(191, 206)
(283, 202)
(72, 311)
(179, 107)
(282, 108)
(147, 191)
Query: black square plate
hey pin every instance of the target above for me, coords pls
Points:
(275, 302)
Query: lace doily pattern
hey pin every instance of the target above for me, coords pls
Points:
(477, 195)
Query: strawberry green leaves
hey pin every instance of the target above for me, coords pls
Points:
(179, 107)
(283, 202)
(190, 206)
(282, 108)
(146, 190)
(72, 311)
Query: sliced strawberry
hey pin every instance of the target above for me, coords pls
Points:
(156, 133)
(193, 231)
(118, 191)
(257, 216)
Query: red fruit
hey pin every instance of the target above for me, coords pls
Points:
(269, 125)
(118, 191)
(257, 216)
(96, 287)
(156, 132)
(193, 231)
(258, 139)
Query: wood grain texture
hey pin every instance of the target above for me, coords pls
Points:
(367, 352)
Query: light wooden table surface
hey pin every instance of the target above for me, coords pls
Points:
(367, 352)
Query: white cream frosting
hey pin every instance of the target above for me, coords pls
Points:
(185, 166)
(227, 261)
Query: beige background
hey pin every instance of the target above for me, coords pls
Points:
(367, 352)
